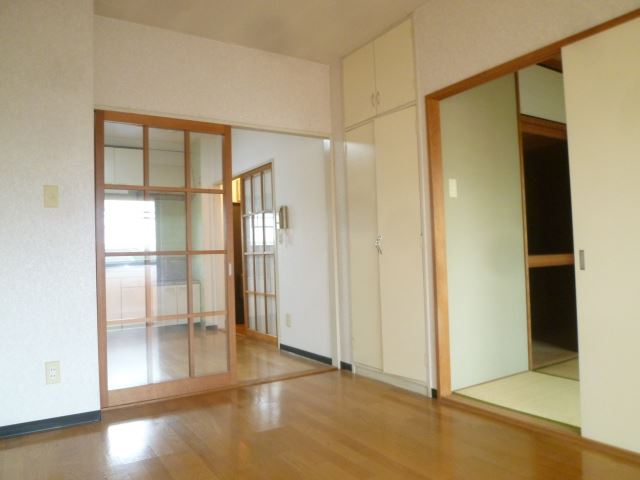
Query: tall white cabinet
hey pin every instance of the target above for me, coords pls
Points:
(385, 238)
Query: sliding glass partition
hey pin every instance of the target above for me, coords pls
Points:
(164, 257)
(259, 251)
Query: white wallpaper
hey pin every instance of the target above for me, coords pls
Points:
(47, 256)
(147, 69)
(304, 252)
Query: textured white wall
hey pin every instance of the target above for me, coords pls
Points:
(47, 277)
(151, 70)
(455, 39)
(300, 169)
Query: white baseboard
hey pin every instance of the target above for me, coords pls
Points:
(395, 380)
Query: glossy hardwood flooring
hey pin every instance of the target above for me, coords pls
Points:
(137, 356)
(326, 426)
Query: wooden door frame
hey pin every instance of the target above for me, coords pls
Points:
(273, 339)
(190, 384)
(434, 150)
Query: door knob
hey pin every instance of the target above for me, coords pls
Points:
(378, 244)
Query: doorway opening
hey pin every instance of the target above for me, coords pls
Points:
(256, 215)
(508, 271)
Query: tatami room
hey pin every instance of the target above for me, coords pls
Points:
(319, 239)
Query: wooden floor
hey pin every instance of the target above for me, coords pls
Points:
(137, 358)
(326, 426)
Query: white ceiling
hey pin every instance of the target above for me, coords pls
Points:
(319, 30)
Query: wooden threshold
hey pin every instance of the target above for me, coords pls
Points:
(263, 337)
(556, 430)
(233, 386)
(555, 260)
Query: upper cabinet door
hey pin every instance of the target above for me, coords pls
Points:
(394, 67)
(359, 85)
(601, 82)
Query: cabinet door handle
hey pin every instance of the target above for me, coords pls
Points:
(581, 260)
(373, 99)
(377, 98)
(378, 243)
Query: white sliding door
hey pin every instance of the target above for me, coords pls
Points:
(401, 283)
(484, 234)
(602, 94)
(363, 257)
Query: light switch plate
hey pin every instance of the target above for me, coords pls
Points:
(50, 196)
(453, 188)
(52, 372)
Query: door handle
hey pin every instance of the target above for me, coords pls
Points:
(373, 99)
(378, 244)
(581, 262)
(377, 98)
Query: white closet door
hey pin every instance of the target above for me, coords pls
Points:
(401, 285)
(359, 85)
(395, 72)
(363, 256)
(602, 96)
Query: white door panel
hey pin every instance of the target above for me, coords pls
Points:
(401, 282)
(363, 256)
(602, 96)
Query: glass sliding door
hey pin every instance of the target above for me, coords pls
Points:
(259, 233)
(165, 259)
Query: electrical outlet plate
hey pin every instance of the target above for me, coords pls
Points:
(52, 372)
(51, 198)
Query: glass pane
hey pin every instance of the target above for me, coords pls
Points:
(206, 160)
(246, 188)
(210, 345)
(248, 233)
(267, 190)
(127, 355)
(166, 157)
(259, 260)
(261, 324)
(169, 342)
(207, 221)
(129, 221)
(170, 224)
(248, 273)
(208, 274)
(271, 316)
(270, 273)
(126, 332)
(123, 159)
(251, 311)
(258, 234)
(269, 232)
(257, 193)
(167, 276)
(125, 293)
